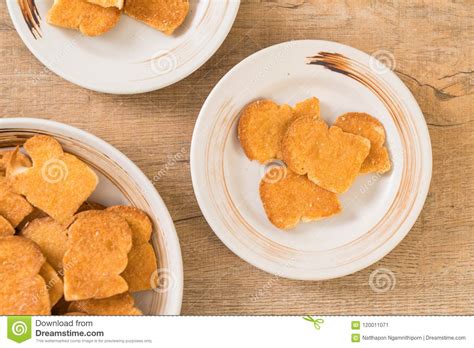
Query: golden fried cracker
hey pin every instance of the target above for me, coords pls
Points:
(97, 248)
(139, 222)
(108, 3)
(6, 228)
(51, 237)
(13, 207)
(288, 198)
(122, 304)
(331, 157)
(23, 290)
(57, 183)
(309, 107)
(89, 19)
(141, 259)
(141, 267)
(164, 15)
(261, 128)
(378, 160)
(54, 284)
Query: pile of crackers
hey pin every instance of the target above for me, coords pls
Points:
(96, 17)
(60, 253)
(317, 162)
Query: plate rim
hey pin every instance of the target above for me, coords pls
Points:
(173, 307)
(211, 50)
(386, 248)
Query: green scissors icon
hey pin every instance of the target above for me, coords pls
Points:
(316, 322)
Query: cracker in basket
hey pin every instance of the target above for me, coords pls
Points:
(13, 207)
(378, 160)
(331, 158)
(108, 3)
(288, 198)
(163, 15)
(139, 222)
(6, 228)
(89, 19)
(54, 284)
(261, 128)
(23, 290)
(96, 254)
(122, 304)
(309, 107)
(141, 258)
(57, 183)
(141, 268)
(51, 237)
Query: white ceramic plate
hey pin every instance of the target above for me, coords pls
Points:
(378, 211)
(120, 183)
(132, 57)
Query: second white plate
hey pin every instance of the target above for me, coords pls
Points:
(378, 211)
(132, 57)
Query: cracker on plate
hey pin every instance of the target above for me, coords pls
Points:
(51, 237)
(330, 157)
(23, 290)
(108, 3)
(96, 254)
(57, 183)
(13, 206)
(89, 19)
(378, 160)
(289, 198)
(262, 126)
(141, 259)
(164, 15)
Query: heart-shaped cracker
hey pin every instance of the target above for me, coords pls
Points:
(288, 198)
(122, 304)
(6, 228)
(51, 237)
(108, 3)
(261, 128)
(13, 207)
(309, 108)
(97, 248)
(90, 19)
(57, 183)
(331, 157)
(164, 15)
(378, 160)
(142, 265)
(54, 284)
(23, 290)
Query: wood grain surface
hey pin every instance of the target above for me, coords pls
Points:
(432, 42)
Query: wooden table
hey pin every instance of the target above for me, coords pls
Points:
(433, 46)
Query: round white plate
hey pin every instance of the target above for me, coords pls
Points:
(121, 182)
(132, 57)
(378, 211)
